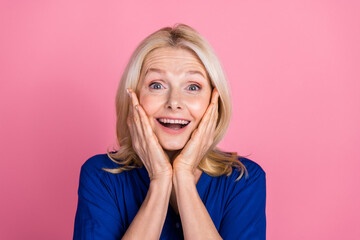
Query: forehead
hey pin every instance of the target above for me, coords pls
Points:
(174, 60)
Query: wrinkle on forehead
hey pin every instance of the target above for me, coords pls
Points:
(174, 60)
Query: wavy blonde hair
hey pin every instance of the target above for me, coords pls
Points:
(215, 162)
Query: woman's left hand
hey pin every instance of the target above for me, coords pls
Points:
(201, 139)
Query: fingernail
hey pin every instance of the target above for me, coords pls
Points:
(128, 92)
(136, 107)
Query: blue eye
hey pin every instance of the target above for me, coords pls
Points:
(194, 87)
(155, 85)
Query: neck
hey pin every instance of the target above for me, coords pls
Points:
(172, 155)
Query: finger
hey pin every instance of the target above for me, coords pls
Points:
(144, 123)
(143, 127)
(214, 102)
(207, 125)
(208, 134)
(215, 112)
(202, 137)
(209, 112)
(147, 129)
(205, 119)
(130, 118)
(214, 119)
(143, 118)
(214, 95)
(134, 137)
(211, 123)
(134, 125)
(133, 97)
(136, 116)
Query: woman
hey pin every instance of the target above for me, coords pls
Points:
(168, 180)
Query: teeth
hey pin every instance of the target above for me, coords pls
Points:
(172, 121)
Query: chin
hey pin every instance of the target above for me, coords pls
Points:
(169, 146)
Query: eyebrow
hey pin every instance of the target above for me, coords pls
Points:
(154, 70)
(162, 71)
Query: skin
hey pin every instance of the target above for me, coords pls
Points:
(173, 84)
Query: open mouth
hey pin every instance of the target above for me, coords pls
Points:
(173, 124)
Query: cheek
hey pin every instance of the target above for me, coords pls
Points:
(149, 103)
(198, 107)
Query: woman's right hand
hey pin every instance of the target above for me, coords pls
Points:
(145, 142)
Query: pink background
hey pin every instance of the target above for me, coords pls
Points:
(294, 70)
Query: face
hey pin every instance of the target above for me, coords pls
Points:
(174, 91)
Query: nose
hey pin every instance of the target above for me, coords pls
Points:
(174, 100)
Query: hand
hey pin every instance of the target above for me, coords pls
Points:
(201, 139)
(145, 142)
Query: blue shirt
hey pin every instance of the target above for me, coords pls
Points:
(107, 203)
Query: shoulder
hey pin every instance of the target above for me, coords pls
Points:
(244, 207)
(251, 187)
(254, 170)
(97, 162)
(92, 169)
(254, 175)
(94, 180)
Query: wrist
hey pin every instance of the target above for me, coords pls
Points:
(164, 182)
(161, 175)
(183, 176)
(181, 166)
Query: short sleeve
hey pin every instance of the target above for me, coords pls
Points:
(244, 216)
(97, 215)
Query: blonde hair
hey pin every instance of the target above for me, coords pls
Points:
(215, 162)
